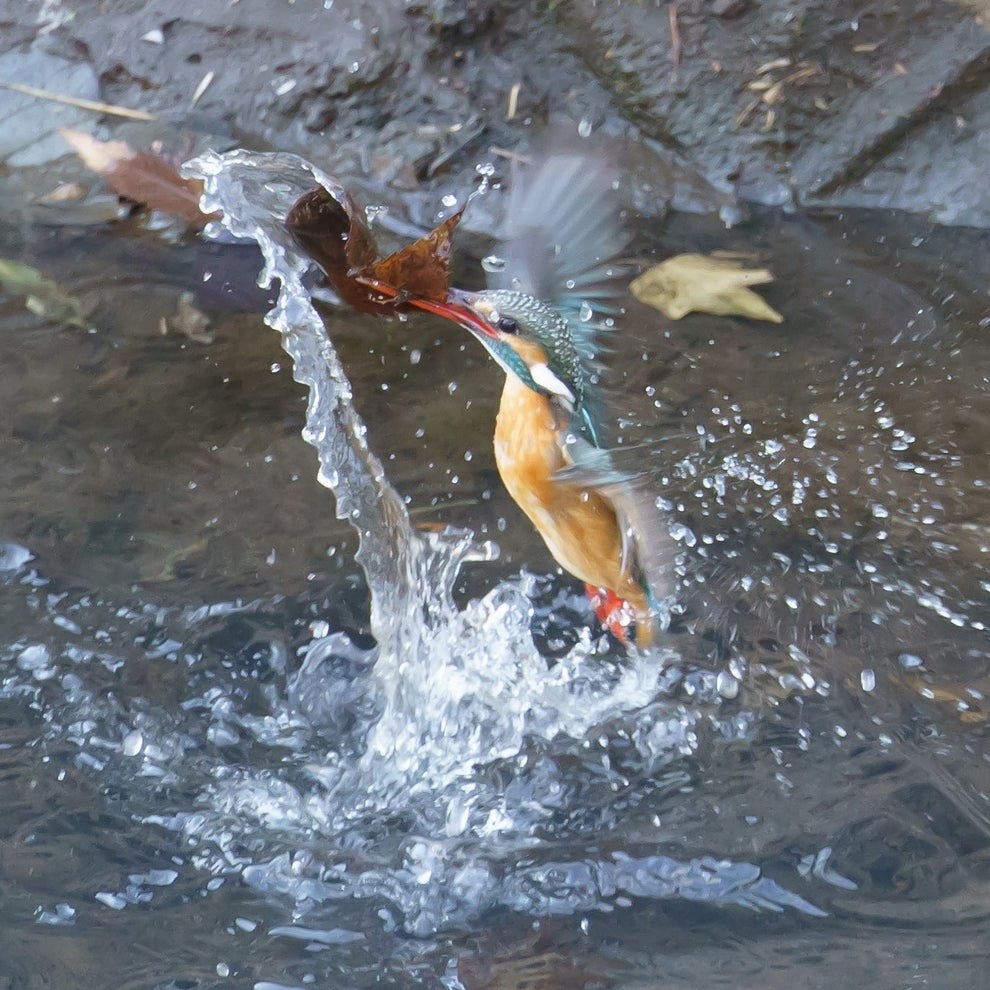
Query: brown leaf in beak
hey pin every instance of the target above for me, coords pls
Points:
(327, 225)
(420, 269)
(329, 228)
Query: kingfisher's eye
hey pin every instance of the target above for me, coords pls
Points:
(507, 325)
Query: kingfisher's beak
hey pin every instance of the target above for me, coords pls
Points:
(459, 307)
(462, 297)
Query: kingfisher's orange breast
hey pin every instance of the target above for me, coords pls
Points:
(578, 524)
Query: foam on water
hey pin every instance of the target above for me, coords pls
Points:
(288, 789)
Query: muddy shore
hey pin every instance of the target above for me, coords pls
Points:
(776, 102)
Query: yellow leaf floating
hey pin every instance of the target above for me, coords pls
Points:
(695, 283)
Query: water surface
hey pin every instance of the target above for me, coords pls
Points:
(214, 777)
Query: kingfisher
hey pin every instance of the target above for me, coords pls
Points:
(556, 271)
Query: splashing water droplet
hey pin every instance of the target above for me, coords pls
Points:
(372, 213)
(683, 534)
(726, 685)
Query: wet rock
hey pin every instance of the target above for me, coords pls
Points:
(269, 73)
(888, 146)
(728, 9)
(24, 140)
(846, 103)
(805, 100)
(459, 18)
(389, 96)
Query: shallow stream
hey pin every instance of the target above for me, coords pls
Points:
(247, 743)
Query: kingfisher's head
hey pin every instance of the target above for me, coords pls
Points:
(559, 266)
(534, 341)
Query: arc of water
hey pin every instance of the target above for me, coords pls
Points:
(408, 576)
(254, 193)
(452, 694)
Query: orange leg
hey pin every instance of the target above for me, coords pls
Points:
(613, 612)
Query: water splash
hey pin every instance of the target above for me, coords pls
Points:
(452, 695)
(449, 770)
(410, 577)
(455, 691)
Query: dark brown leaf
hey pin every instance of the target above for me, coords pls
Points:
(328, 227)
(140, 176)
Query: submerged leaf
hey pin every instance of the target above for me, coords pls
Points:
(694, 283)
(140, 176)
(188, 320)
(42, 296)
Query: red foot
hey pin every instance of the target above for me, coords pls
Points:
(613, 612)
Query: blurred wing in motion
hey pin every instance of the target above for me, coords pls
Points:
(648, 549)
(562, 232)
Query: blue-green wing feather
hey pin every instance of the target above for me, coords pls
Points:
(561, 239)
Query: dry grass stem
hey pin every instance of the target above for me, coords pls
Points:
(513, 105)
(97, 106)
(204, 85)
(675, 35)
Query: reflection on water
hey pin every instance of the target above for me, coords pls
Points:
(806, 740)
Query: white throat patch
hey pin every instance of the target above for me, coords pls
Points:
(545, 378)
